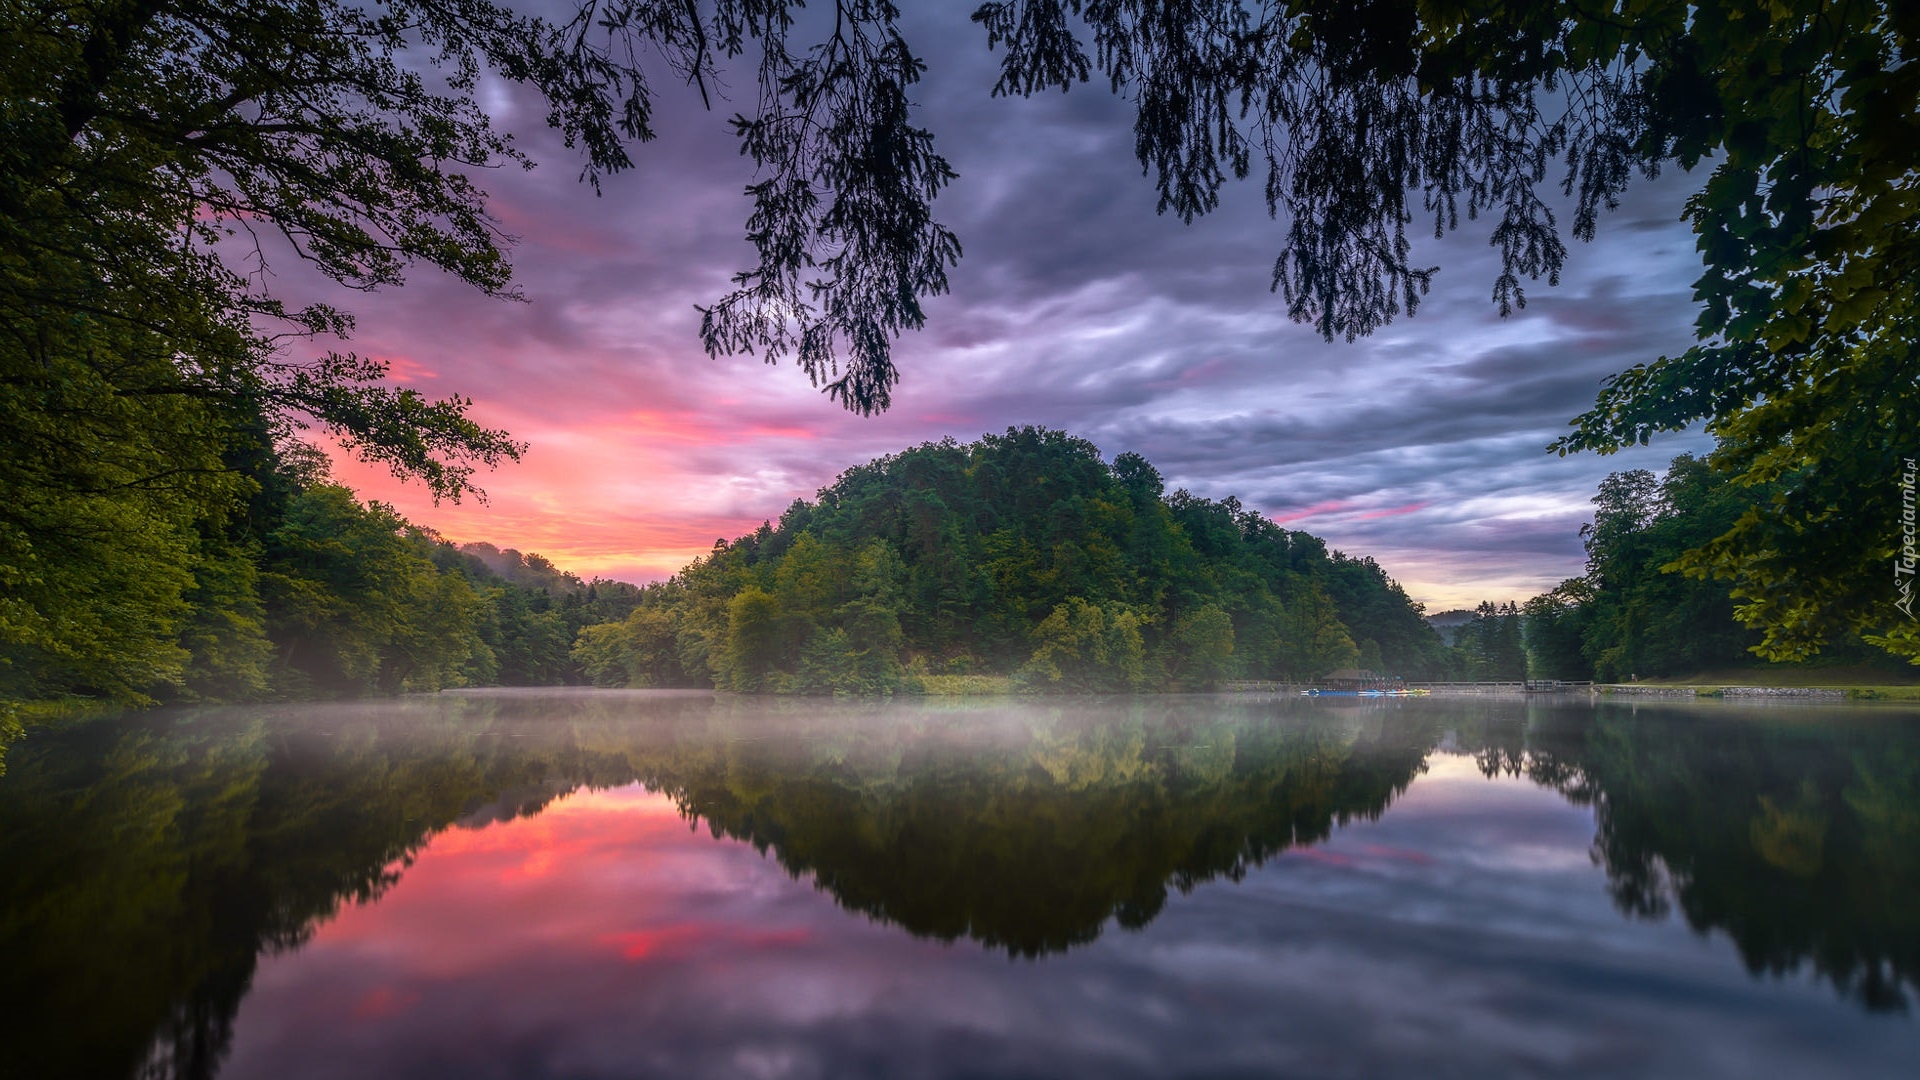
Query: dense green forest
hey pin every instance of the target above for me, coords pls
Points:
(150, 547)
(301, 590)
(1641, 609)
(153, 545)
(1022, 555)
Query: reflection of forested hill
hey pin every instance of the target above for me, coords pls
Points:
(1079, 813)
(149, 860)
(1796, 832)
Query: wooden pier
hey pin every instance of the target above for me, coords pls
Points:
(1437, 689)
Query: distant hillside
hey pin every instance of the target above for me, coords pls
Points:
(1448, 623)
(528, 570)
(1020, 555)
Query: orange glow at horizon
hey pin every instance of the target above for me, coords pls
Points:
(628, 497)
(632, 483)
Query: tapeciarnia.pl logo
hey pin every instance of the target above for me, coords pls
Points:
(1903, 563)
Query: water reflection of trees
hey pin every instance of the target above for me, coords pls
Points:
(1030, 842)
(1796, 832)
(150, 860)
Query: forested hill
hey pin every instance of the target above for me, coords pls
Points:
(356, 600)
(298, 590)
(1021, 554)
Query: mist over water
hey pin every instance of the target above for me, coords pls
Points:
(605, 883)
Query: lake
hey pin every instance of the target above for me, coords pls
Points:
(634, 883)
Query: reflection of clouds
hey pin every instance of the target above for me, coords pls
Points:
(1075, 307)
(1444, 938)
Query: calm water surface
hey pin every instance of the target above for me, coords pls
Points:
(602, 884)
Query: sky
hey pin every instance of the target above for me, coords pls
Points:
(1075, 307)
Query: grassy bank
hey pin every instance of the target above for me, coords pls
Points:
(959, 685)
(1858, 683)
(1835, 678)
(1855, 684)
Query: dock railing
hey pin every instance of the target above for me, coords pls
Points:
(1523, 686)
(1517, 686)
(1262, 686)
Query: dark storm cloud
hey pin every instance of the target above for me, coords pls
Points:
(1076, 306)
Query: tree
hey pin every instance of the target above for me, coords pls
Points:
(111, 506)
(1377, 610)
(139, 143)
(1640, 615)
(1022, 555)
(1805, 368)
(640, 651)
(143, 137)
(871, 620)
(1199, 649)
(355, 604)
(1087, 647)
(1555, 625)
(1480, 641)
(1509, 653)
(1312, 640)
(752, 641)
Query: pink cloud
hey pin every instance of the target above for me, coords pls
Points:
(631, 494)
(704, 429)
(1319, 855)
(1197, 375)
(1331, 506)
(402, 369)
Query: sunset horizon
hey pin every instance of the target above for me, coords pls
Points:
(1075, 307)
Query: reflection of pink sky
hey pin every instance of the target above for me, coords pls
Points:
(607, 936)
(617, 880)
(602, 910)
(559, 878)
